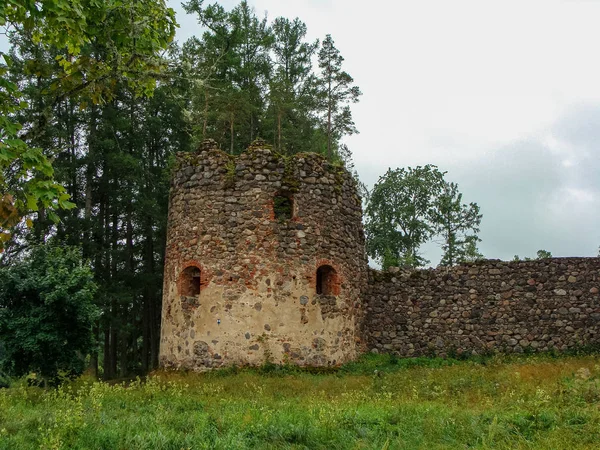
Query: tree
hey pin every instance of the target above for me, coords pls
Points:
(398, 214)
(408, 207)
(46, 312)
(132, 32)
(234, 56)
(472, 253)
(291, 85)
(113, 160)
(258, 80)
(336, 92)
(543, 254)
(457, 223)
(26, 174)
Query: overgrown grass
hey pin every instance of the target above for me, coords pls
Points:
(379, 402)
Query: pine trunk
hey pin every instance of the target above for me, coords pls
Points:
(279, 130)
(231, 131)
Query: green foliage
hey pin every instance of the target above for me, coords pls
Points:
(543, 254)
(113, 159)
(471, 252)
(46, 312)
(26, 175)
(255, 77)
(130, 51)
(230, 174)
(232, 58)
(408, 207)
(131, 46)
(282, 206)
(398, 214)
(291, 91)
(502, 402)
(336, 91)
(458, 224)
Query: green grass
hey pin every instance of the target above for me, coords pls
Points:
(528, 402)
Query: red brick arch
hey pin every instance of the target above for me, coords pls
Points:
(183, 280)
(327, 278)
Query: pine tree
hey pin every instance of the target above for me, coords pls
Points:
(336, 92)
(292, 86)
(234, 56)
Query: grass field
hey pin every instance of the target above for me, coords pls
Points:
(532, 402)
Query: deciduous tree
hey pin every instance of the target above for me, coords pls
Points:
(408, 207)
(47, 312)
(132, 33)
(398, 214)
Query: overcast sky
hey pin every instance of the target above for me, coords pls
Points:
(503, 95)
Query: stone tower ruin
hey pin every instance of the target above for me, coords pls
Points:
(265, 261)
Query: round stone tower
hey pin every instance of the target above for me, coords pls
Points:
(265, 261)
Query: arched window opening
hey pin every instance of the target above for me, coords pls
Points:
(283, 207)
(189, 282)
(327, 281)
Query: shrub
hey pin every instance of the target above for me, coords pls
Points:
(46, 313)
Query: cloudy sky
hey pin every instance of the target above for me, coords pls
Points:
(505, 96)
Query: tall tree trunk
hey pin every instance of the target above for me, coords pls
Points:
(111, 250)
(205, 114)
(94, 354)
(146, 332)
(89, 179)
(114, 335)
(74, 191)
(231, 118)
(108, 374)
(155, 304)
(329, 108)
(123, 344)
(279, 129)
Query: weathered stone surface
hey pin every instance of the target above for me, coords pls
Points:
(258, 266)
(257, 282)
(488, 306)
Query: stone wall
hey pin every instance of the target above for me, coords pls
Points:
(484, 307)
(246, 238)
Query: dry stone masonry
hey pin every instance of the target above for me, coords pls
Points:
(490, 306)
(265, 261)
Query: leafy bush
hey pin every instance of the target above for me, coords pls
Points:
(46, 313)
